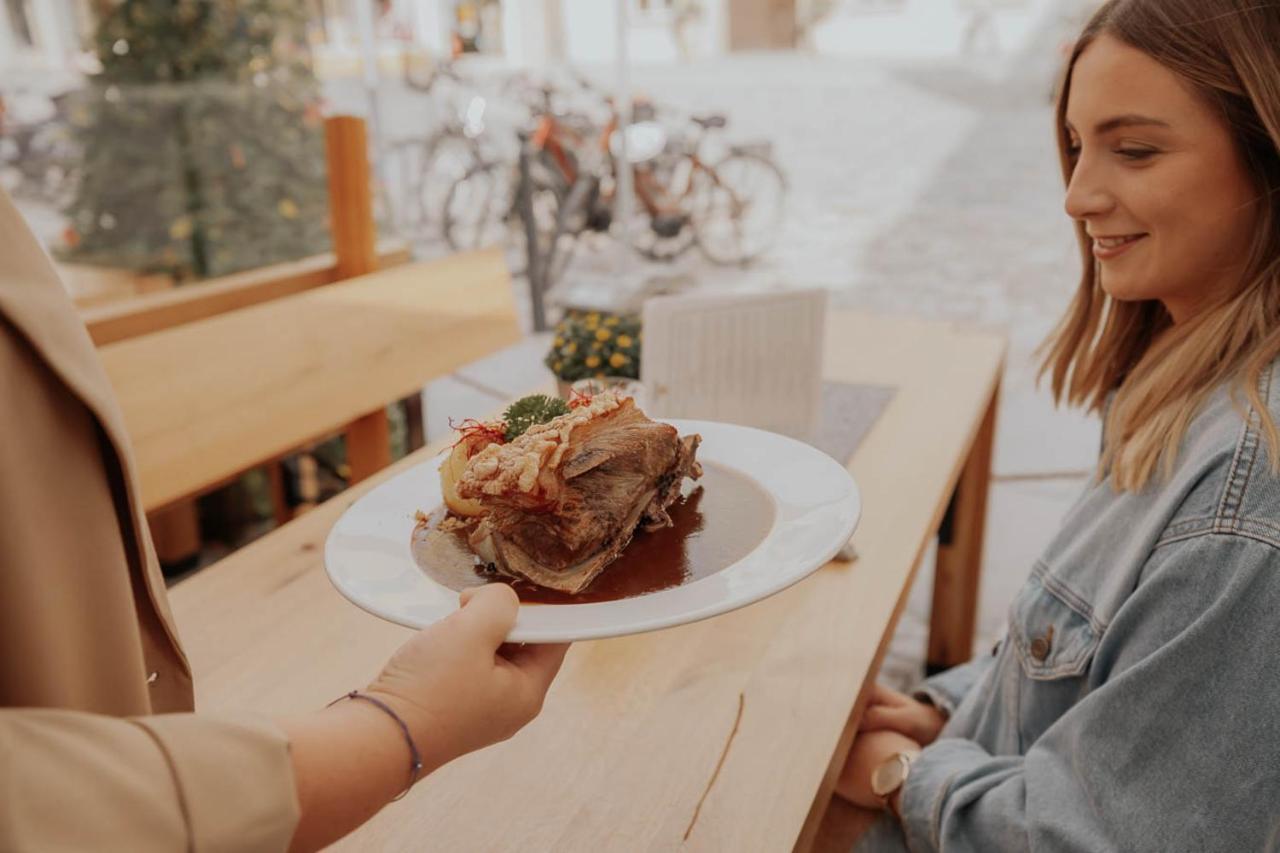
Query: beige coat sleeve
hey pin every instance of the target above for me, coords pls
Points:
(76, 781)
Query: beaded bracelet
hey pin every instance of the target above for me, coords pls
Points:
(415, 757)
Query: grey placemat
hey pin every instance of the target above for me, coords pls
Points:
(848, 413)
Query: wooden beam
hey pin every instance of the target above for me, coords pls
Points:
(350, 198)
(141, 315)
(959, 563)
(352, 225)
(175, 532)
(368, 445)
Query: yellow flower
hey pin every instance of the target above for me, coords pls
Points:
(618, 360)
(569, 348)
(596, 346)
(557, 366)
(625, 341)
(593, 317)
(603, 334)
(181, 228)
(611, 321)
(559, 342)
(593, 361)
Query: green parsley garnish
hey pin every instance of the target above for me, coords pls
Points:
(534, 409)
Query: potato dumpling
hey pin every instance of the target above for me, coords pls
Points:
(451, 472)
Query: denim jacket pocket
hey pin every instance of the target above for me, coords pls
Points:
(1055, 642)
(1051, 635)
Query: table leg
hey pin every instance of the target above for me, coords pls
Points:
(842, 825)
(415, 427)
(959, 564)
(279, 501)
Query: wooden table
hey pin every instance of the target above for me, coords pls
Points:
(722, 735)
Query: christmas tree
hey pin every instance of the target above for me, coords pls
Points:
(202, 139)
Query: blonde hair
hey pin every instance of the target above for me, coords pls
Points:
(1161, 374)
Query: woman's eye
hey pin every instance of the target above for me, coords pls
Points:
(1073, 150)
(1136, 153)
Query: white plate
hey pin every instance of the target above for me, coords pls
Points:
(816, 508)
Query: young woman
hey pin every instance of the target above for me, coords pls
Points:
(1135, 702)
(99, 748)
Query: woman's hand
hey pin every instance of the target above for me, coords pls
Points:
(869, 751)
(889, 710)
(456, 685)
(459, 686)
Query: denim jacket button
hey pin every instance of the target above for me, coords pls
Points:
(1040, 648)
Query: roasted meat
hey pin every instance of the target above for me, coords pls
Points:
(563, 500)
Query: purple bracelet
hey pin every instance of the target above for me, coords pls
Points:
(415, 757)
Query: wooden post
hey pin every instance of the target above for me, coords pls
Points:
(350, 199)
(956, 575)
(354, 243)
(368, 445)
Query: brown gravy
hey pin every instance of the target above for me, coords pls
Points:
(720, 519)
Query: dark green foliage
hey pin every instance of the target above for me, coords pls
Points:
(203, 150)
(534, 409)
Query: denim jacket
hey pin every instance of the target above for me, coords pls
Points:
(1134, 703)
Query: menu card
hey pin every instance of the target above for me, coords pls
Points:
(746, 358)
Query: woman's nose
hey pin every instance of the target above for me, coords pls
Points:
(1086, 194)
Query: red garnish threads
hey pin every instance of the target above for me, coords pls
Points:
(577, 399)
(472, 428)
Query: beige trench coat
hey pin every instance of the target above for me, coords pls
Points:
(99, 749)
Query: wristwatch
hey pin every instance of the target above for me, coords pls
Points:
(891, 774)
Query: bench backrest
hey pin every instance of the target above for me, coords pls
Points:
(139, 315)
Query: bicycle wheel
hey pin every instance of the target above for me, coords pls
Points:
(478, 207)
(660, 226)
(445, 158)
(738, 208)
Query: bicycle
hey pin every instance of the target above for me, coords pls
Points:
(481, 208)
(441, 157)
(39, 158)
(730, 209)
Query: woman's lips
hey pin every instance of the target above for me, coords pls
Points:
(1106, 248)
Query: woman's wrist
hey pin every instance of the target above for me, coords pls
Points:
(349, 760)
(425, 733)
(384, 704)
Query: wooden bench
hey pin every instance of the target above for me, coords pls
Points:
(207, 400)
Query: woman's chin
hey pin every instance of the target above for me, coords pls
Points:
(1127, 291)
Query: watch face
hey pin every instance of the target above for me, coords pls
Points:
(888, 777)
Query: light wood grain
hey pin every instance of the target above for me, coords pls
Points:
(142, 314)
(720, 735)
(212, 398)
